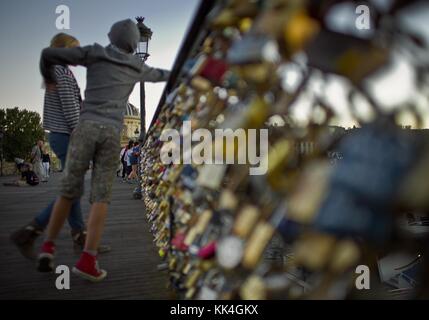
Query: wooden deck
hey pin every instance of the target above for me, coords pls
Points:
(131, 265)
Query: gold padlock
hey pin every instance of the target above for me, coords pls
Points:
(207, 265)
(193, 278)
(225, 19)
(246, 220)
(172, 263)
(201, 84)
(190, 293)
(299, 30)
(313, 250)
(309, 193)
(228, 201)
(190, 236)
(257, 113)
(187, 268)
(346, 255)
(253, 289)
(257, 243)
(261, 75)
(276, 161)
(203, 221)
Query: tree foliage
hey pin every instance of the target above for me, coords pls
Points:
(21, 130)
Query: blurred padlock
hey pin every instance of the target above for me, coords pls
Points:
(352, 57)
(256, 244)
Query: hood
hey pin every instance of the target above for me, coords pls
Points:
(125, 35)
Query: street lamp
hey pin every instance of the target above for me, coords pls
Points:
(1, 151)
(145, 36)
(143, 52)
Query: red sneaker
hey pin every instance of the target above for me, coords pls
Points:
(87, 268)
(45, 261)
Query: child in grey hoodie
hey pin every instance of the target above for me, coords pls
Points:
(112, 72)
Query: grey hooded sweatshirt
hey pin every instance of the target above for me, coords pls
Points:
(112, 72)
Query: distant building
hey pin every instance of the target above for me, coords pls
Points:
(131, 130)
(328, 134)
(332, 135)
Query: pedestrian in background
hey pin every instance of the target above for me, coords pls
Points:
(127, 160)
(123, 161)
(36, 159)
(134, 160)
(46, 163)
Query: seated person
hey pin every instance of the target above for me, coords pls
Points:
(28, 177)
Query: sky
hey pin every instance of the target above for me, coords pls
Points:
(26, 27)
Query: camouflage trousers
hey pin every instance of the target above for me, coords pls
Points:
(97, 142)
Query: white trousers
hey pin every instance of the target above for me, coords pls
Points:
(45, 174)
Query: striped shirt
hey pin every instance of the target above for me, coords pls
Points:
(62, 106)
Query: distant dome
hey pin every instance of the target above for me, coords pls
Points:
(131, 111)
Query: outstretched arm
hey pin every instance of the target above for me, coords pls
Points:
(61, 56)
(150, 74)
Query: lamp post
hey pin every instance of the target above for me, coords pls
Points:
(1, 151)
(143, 52)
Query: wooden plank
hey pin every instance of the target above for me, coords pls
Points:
(131, 265)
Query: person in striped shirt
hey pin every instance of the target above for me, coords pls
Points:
(61, 113)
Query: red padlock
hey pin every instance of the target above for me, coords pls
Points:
(214, 70)
(208, 251)
(179, 241)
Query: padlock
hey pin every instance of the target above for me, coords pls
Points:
(276, 161)
(178, 241)
(214, 70)
(201, 84)
(245, 221)
(260, 76)
(224, 19)
(298, 31)
(198, 228)
(193, 278)
(187, 268)
(253, 49)
(228, 201)
(345, 256)
(253, 289)
(229, 252)
(313, 250)
(172, 263)
(257, 242)
(190, 293)
(308, 195)
(208, 251)
(257, 113)
(271, 21)
(211, 175)
(352, 57)
(203, 221)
